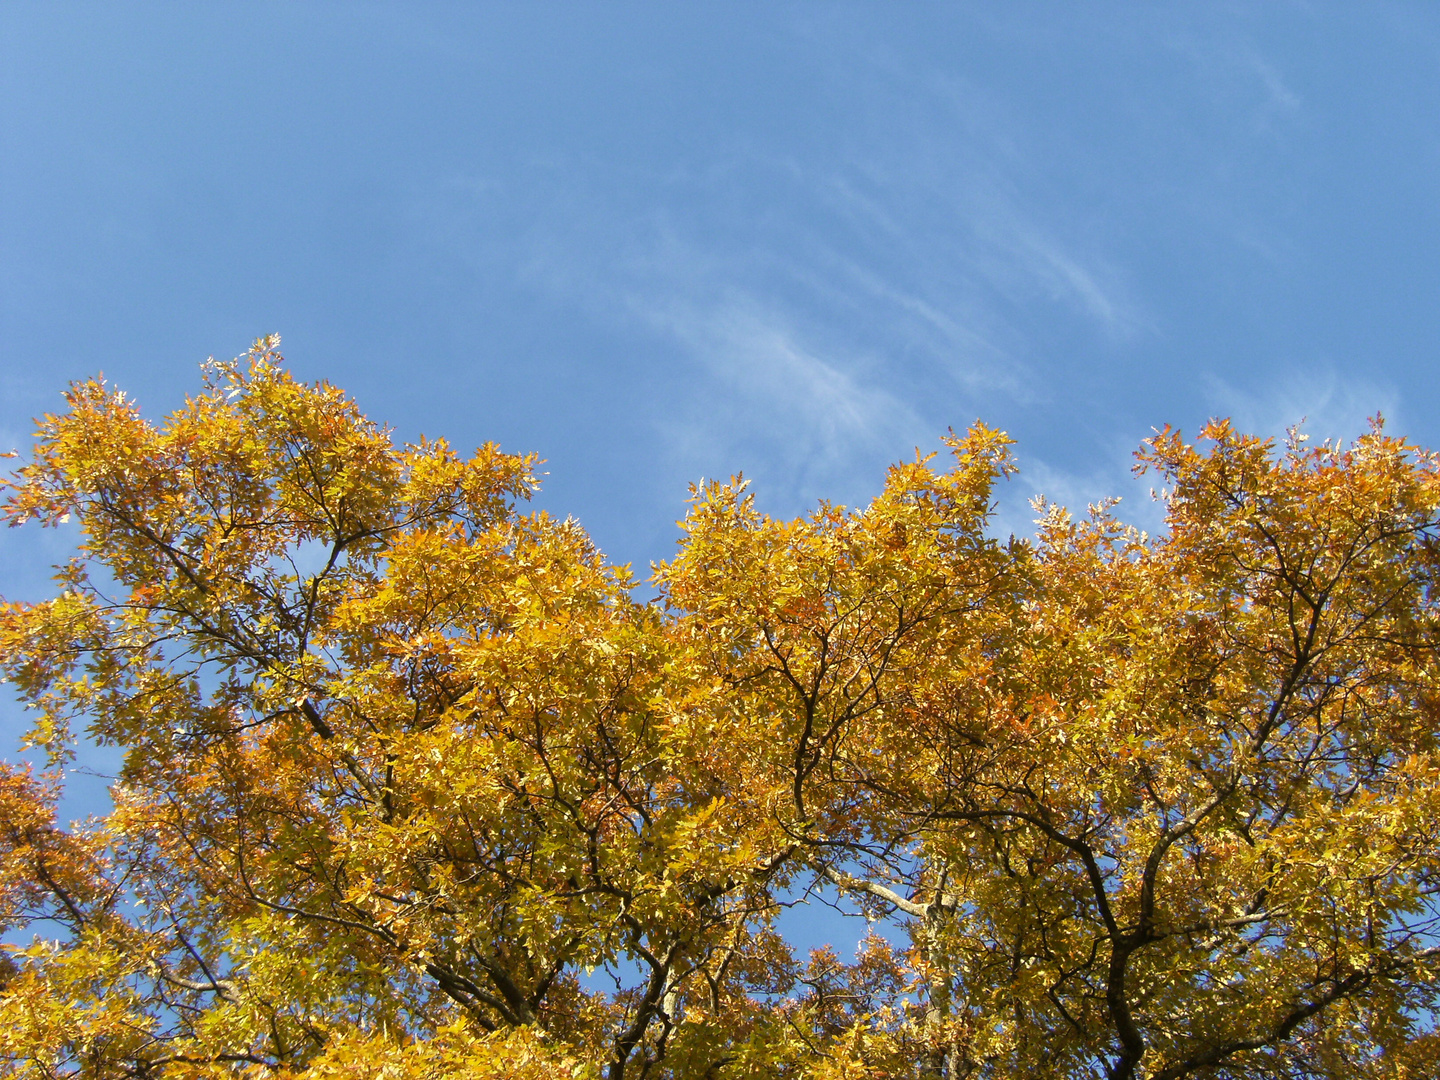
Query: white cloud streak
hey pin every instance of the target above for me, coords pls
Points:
(1327, 405)
(770, 391)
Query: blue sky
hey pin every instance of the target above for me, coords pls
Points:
(654, 243)
(659, 242)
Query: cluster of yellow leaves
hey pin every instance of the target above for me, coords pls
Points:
(453, 1053)
(414, 787)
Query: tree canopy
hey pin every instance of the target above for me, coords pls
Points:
(414, 786)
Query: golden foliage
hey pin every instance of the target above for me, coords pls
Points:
(413, 787)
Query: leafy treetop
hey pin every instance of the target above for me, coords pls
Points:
(413, 786)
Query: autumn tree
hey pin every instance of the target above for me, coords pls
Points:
(1157, 807)
(397, 756)
(414, 786)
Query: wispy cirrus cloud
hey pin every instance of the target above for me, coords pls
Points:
(774, 399)
(1324, 403)
(808, 306)
(1070, 279)
(966, 240)
(1327, 404)
(851, 337)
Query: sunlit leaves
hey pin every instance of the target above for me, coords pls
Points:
(413, 786)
